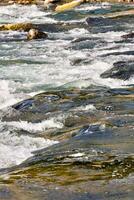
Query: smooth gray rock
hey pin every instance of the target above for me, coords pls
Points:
(121, 70)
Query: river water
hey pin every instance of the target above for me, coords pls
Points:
(67, 66)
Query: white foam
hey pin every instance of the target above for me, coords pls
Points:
(6, 97)
(17, 13)
(18, 148)
(110, 36)
(90, 7)
(15, 149)
(77, 155)
(76, 32)
(35, 127)
(89, 107)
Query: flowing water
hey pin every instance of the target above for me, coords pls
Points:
(66, 120)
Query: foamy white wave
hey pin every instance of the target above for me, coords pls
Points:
(76, 32)
(113, 83)
(59, 71)
(11, 35)
(15, 149)
(35, 127)
(6, 97)
(52, 74)
(91, 74)
(86, 108)
(110, 36)
(77, 155)
(89, 7)
(17, 13)
(31, 94)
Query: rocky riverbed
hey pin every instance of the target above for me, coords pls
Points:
(67, 103)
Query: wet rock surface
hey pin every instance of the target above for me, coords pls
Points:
(121, 70)
(92, 122)
(128, 36)
(16, 27)
(10, 2)
(94, 145)
(36, 34)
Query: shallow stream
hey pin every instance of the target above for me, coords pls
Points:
(67, 121)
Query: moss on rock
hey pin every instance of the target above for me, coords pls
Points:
(16, 27)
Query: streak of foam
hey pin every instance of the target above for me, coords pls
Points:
(15, 13)
(6, 98)
(94, 6)
(35, 127)
(15, 149)
(89, 107)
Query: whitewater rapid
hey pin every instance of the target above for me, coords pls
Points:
(27, 68)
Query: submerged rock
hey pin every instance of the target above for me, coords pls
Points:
(36, 34)
(73, 101)
(121, 70)
(98, 21)
(48, 103)
(79, 61)
(23, 105)
(93, 149)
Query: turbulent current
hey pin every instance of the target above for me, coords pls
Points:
(67, 102)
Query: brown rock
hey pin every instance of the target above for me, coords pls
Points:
(128, 36)
(35, 34)
(16, 27)
(24, 2)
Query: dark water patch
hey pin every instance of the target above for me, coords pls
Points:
(88, 130)
(122, 91)
(100, 21)
(87, 43)
(6, 193)
(128, 53)
(103, 25)
(22, 61)
(24, 105)
(83, 45)
(68, 15)
(60, 26)
(7, 40)
(121, 121)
